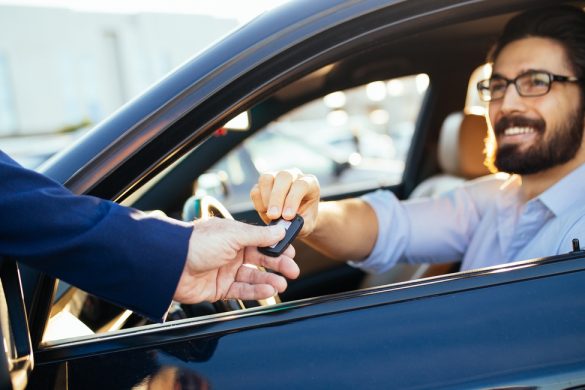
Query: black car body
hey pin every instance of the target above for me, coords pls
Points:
(519, 325)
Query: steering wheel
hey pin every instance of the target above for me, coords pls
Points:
(204, 208)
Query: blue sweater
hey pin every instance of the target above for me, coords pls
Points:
(118, 253)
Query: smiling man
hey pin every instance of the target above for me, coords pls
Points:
(536, 100)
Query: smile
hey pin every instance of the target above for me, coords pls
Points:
(519, 130)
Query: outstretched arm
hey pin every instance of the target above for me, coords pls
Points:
(343, 230)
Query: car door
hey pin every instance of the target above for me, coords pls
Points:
(517, 326)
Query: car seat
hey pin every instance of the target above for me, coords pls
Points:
(460, 154)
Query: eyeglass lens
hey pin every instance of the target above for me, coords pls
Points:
(527, 84)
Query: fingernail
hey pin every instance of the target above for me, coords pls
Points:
(273, 210)
(289, 212)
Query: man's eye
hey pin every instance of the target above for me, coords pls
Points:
(498, 86)
(539, 80)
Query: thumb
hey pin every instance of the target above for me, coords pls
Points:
(250, 235)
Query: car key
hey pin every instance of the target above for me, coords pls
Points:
(292, 229)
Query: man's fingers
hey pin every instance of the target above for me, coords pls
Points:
(251, 283)
(301, 190)
(259, 205)
(283, 264)
(282, 183)
(290, 251)
(248, 292)
(256, 197)
(284, 194)
(252, 275)
(258, 236)
(280, 189)
(265, 184)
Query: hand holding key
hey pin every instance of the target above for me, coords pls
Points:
(292, 230)
(286, 194)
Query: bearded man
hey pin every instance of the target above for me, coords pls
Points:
(536, 112)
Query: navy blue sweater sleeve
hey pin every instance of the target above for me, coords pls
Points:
(118, 253)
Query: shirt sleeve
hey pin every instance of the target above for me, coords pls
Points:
(120, 254)
(425, 230)
(442, 227)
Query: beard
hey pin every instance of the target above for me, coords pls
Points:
(562, 146)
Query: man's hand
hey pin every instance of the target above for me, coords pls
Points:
(342, 230)
(222, 258)
(286, 194)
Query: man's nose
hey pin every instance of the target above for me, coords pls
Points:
(512, 101)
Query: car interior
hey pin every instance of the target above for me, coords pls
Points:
(444, 149)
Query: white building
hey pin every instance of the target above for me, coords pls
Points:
(60, 68)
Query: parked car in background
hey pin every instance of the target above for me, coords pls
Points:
(519, 325)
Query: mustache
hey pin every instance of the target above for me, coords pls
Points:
(518, 121)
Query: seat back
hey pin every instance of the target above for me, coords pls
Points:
(461, 145)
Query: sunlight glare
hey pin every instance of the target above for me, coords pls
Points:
(229, 9)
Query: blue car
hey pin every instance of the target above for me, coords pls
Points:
(373, 69)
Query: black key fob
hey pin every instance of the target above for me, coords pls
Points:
(292, 227)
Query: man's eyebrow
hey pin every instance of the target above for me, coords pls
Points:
(523, 71)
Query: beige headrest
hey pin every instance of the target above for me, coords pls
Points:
(461, 145)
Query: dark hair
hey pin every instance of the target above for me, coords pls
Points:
(565, 24)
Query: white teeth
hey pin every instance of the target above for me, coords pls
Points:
(518, 130)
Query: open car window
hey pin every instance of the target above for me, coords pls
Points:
(352, 140)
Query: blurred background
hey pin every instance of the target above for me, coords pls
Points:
(65, 65)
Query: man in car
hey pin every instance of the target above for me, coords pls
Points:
(536, 114)
(135, 260)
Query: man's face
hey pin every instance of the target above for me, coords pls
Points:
(536, 133)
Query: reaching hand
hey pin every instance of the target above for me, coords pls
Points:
(222, 258)
(286, 194)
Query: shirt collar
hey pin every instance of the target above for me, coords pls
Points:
(565, 194)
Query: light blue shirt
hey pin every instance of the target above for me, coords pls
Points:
(481, 223)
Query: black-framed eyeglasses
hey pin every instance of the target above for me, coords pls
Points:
(531, 83)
